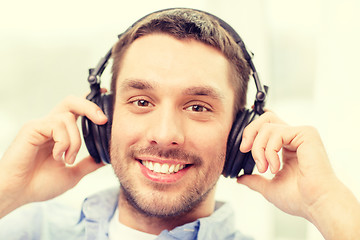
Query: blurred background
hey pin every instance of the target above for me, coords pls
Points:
(306, 50)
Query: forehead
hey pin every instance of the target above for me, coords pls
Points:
(168, 61)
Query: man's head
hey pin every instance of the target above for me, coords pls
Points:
(175, 92)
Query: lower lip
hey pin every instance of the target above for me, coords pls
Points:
(161, 177)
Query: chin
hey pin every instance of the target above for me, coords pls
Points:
(162, 204)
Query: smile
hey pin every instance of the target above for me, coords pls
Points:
(163, 167)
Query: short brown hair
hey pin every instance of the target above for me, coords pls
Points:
(183, 24)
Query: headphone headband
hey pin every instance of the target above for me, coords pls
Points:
(95, 73)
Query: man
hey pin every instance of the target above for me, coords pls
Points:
(178, 80)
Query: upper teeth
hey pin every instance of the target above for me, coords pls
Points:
(162, 168)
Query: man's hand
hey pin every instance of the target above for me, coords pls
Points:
(304, 183)
(39, 164)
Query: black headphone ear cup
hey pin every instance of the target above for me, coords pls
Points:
(91, 135)
(249, 164)
(234, 139)
(87, 129)
(236, 160)
(97, 132)
(105, 130)
(96, 137)
(108, 109)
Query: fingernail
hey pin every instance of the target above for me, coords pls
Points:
(101, 115)
(243, 142)
(258, 165)
(71, 160)
(59, 157)
(272, 169)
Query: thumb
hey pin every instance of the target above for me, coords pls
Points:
(84, 167)
(255, 182)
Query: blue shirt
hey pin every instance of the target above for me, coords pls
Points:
(50, 220)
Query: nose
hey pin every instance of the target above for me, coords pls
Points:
(166, 128)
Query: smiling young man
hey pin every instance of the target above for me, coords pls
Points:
(178, 81)
(179, 101)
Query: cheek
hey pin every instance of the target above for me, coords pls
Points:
(125, 131)
(211, 146)
(210, 141)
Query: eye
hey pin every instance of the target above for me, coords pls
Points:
(141, 103)
(198, 108)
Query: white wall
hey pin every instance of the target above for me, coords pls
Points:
(305, 50)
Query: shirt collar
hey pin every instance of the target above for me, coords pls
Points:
(101, 207)
(216, 226)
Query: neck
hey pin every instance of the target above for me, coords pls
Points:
(132, 218)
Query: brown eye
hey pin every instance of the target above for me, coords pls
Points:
(197, 108)
(142, 103)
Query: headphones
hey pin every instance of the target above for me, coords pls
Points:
(97, 137)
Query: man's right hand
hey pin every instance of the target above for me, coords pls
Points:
(39, 164)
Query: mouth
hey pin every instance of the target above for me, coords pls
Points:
(163, 172)
(163, 168)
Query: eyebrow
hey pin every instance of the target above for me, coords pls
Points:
(203, 91)
(141, 84)
(136, 84)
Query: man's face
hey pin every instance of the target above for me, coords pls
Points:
(172, 115)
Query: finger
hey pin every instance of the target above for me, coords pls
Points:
(63, 131)
(60, 136)
(84, 167)
(251, 131)
(274, 145)
(255, 182)
(74, 138)
(82, 107)
(259, 147)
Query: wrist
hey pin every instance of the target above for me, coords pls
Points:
(8, 200)
(336, 214)
(7, 204)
